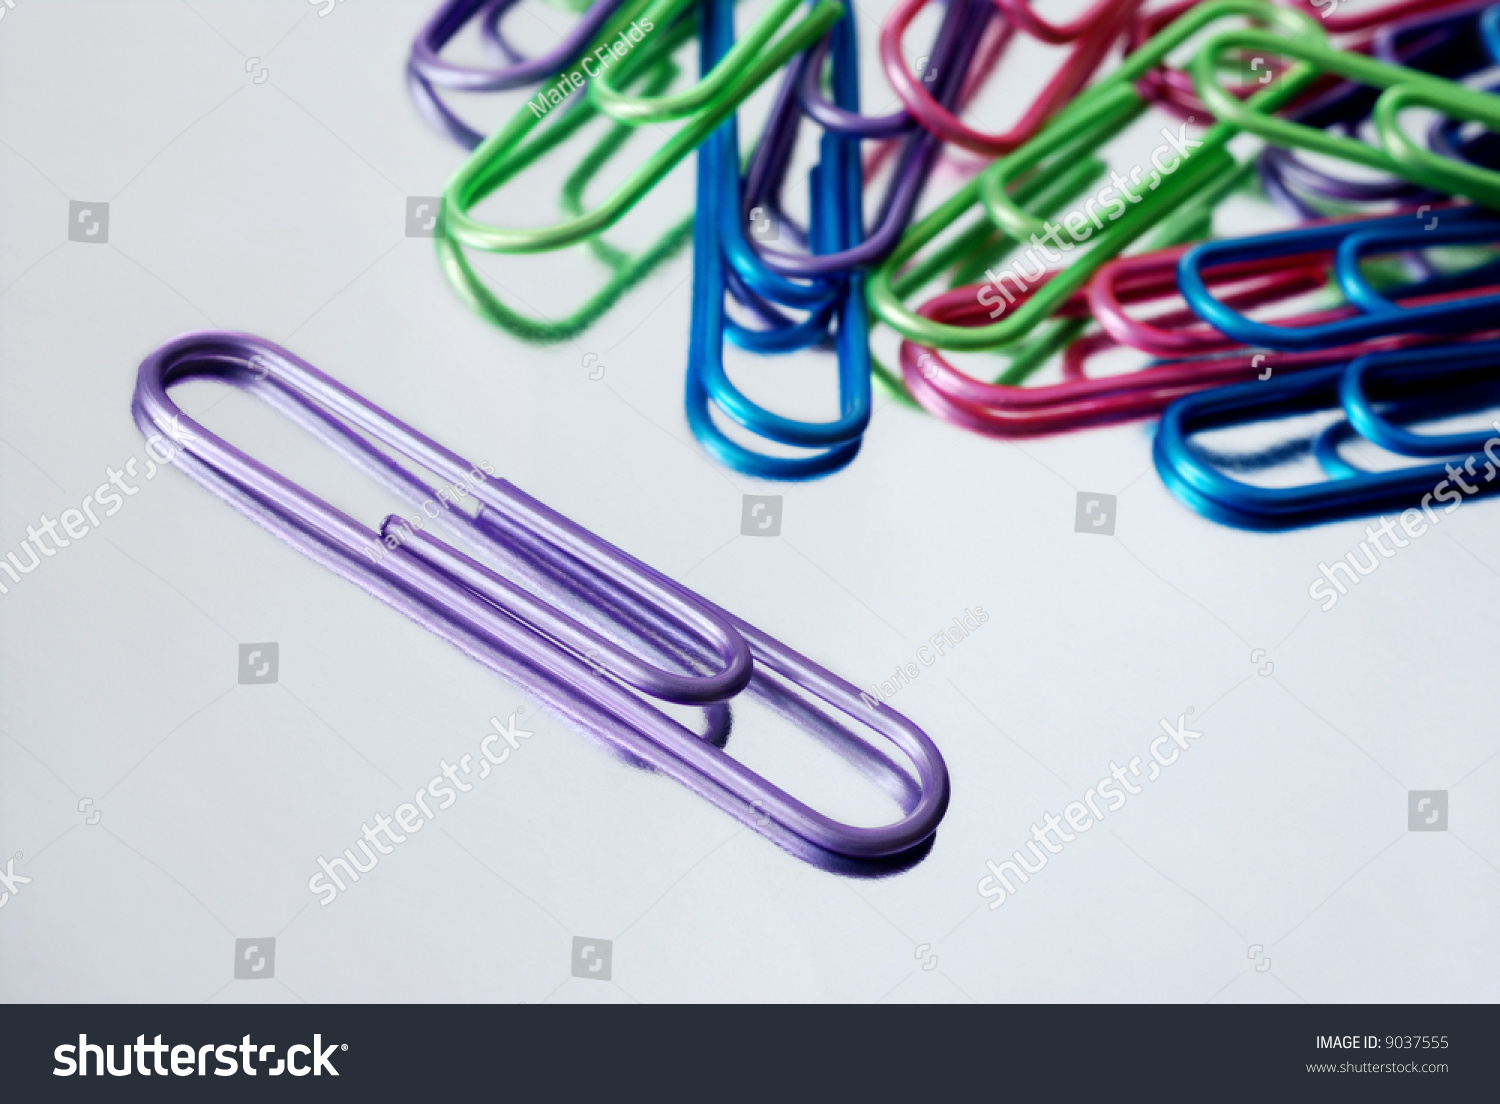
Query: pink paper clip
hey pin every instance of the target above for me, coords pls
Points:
(1093, 35)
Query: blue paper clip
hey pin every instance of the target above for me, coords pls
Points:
(765, 280)
(1379, 316)
(722, 259)
(1489, 31)
(1381, 394)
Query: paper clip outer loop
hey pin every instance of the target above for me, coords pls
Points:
(197, 353)
(1412, 366)
(1110, 18)
(1446, 174)
(1464, 224)
(1193, 477)
(1402, 88)
(414, 581)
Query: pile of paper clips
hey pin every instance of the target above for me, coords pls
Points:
(1037, 256)
(1027, 259)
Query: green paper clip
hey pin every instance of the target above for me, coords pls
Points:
(1099, 114)
(533, 132)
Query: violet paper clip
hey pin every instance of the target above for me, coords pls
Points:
(579, 671)
(426, 71)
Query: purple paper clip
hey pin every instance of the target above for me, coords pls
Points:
(427, 71)
(597, 679)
